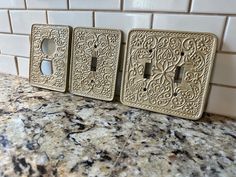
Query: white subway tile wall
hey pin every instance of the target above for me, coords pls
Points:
(4, 21)
(16, 45)
(46, 4)
(224, 71)
(197, 23)
(222, 100)
(122, 21)
(230, 35)
(157, 5)
(12, 4)
(84, 19)
(214, 6)
(95, 4)
(23, 65)
(215, 16)
(8, 64)
(22, 20)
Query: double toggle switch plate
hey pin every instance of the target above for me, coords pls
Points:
(94, 62)
(49, 56)
(168, 72)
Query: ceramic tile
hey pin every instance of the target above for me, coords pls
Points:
(45, 4)
(129, 21)
(95, 4)
(16, 4)
(7, 64)
(196, 23)
(23, 20)
(222, 100)
(9, 44)
(157, 5)
(23, 67)
(163, 146)
(4, 21)
(71, 18)
(229, 43)
(214, 6)
(224, 70)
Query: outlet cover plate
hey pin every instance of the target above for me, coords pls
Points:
(97, 81)
(60, 36)
(167, 52)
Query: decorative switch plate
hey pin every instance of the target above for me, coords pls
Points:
(94, 63)
(168, 71)
(49, 55)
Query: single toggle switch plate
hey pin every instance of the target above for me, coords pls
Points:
(168, 71)
(94, 62)
(49, 55)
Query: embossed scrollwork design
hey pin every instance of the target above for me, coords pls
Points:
(104, 45)
(192, 51)
(61, 37)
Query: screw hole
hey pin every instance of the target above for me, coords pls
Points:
(144, 89)
(92, 81)
(95, 46)
(150, 51)
(182, 53)
(174, 94)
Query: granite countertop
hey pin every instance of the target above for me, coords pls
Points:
(46, 133)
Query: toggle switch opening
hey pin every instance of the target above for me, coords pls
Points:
(178, 74)
(93, 64)
(147, 70)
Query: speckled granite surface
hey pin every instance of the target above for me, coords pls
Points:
(45, 133)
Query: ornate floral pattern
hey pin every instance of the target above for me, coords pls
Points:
(165, 51)
(103, 44)
(61, 36)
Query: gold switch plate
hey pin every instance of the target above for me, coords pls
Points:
(94, 62)
(49, 55)
(168, 71)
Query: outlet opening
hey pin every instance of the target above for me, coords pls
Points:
(46, 67)
(48, 46)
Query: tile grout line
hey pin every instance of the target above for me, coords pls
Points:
(93, 20)
(222, 85)
(25, 5)
(46, 16)
(68, 5)
(131, 11)
(10, 23)
(152, 18)
(223, 33)
(190, 6)
(16, 65)
(121, 5)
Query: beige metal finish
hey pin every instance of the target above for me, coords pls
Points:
(57, 55)
(168, 71)
(94, 62)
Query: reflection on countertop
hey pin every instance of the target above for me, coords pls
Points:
(46, 133)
